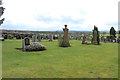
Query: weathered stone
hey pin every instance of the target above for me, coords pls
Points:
(65, 32)
(26, 42)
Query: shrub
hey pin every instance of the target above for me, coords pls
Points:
(35, 46)
(63, 42)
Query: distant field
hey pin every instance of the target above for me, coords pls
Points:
(78, 61)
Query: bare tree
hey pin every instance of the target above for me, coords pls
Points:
(1, 13)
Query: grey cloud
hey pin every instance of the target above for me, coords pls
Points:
(63, 19)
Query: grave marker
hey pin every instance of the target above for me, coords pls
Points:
(26, 42)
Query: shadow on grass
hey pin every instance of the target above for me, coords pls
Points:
(21, 49)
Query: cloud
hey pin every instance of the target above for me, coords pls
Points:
(63, 19)
(53, 14)
(112, 23)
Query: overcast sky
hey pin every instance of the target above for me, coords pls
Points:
(49, 15)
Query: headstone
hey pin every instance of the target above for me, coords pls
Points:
(118, 40)
(102, 38)
(34, 38)
(18, 36)
(88, 38)
(26, 42)
(108, 38)
(39, 38)
(5, 36)
(84, 40)
(50, 37)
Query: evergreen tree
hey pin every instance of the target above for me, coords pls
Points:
(112, 33)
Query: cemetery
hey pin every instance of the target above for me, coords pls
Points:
(59, 54)
(50, 55)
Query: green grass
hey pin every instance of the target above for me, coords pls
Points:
(78, 61)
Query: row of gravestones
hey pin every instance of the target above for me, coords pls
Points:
(18, 36)
(26, 41)
(37, 37)
(108, 39)
(102, 39)
(51, 37)
(48, 37)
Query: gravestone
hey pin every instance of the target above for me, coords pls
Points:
(34, 38)
(39, 38)
(84, 40)
(26, 42)
(88, 38)
(102, 38)
(18, 36)
(5, 36)
(118, 40)
(50, 37)
(108, 38)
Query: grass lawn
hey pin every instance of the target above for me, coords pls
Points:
(78, 61)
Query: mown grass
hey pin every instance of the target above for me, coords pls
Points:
(78, 61)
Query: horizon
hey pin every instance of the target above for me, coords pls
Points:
(57, 30)
(49, 15)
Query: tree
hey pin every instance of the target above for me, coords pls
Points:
(1, 12)
(112, 33)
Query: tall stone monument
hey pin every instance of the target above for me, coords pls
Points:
(64, 42)
(96, 40)
(65, 32)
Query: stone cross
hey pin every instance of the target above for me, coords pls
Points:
(65, 32)
(26, 42)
